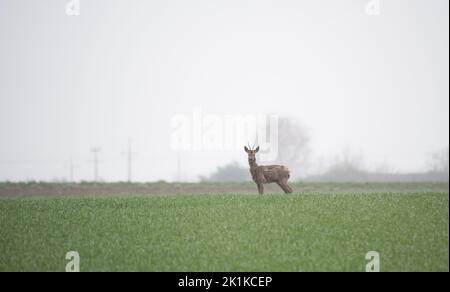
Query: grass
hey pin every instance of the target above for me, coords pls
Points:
(299, 232)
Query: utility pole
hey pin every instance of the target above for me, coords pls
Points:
(70, 166)
(130, 159)
(71, 170)
(178, 168)
(95, 151)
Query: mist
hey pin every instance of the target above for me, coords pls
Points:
(358, 84)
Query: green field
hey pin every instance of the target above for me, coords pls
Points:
(311, 231)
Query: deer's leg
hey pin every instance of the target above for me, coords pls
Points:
(283, 186)
(289, 187)
(285, 182)
(260, 188)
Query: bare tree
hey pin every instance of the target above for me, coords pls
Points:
(293, 146)
(348, 160)
(346, 167)
(229, 172)
(293, 151)
(438, 162)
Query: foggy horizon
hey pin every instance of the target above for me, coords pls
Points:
(120, 71)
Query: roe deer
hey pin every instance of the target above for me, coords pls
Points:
(267, 173)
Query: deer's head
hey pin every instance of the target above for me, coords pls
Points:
(251, 154)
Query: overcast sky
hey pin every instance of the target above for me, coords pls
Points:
(121, 70)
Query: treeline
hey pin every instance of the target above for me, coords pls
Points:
(234, 172)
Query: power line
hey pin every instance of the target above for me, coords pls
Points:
(95, 151)
(178, 168)
(71, 167)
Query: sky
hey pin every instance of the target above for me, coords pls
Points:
(120, 71)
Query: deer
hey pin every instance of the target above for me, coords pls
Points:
(267, 173)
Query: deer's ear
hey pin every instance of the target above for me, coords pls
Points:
(257, 149)
(246, 149)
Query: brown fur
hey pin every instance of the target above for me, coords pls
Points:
(267, 173)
